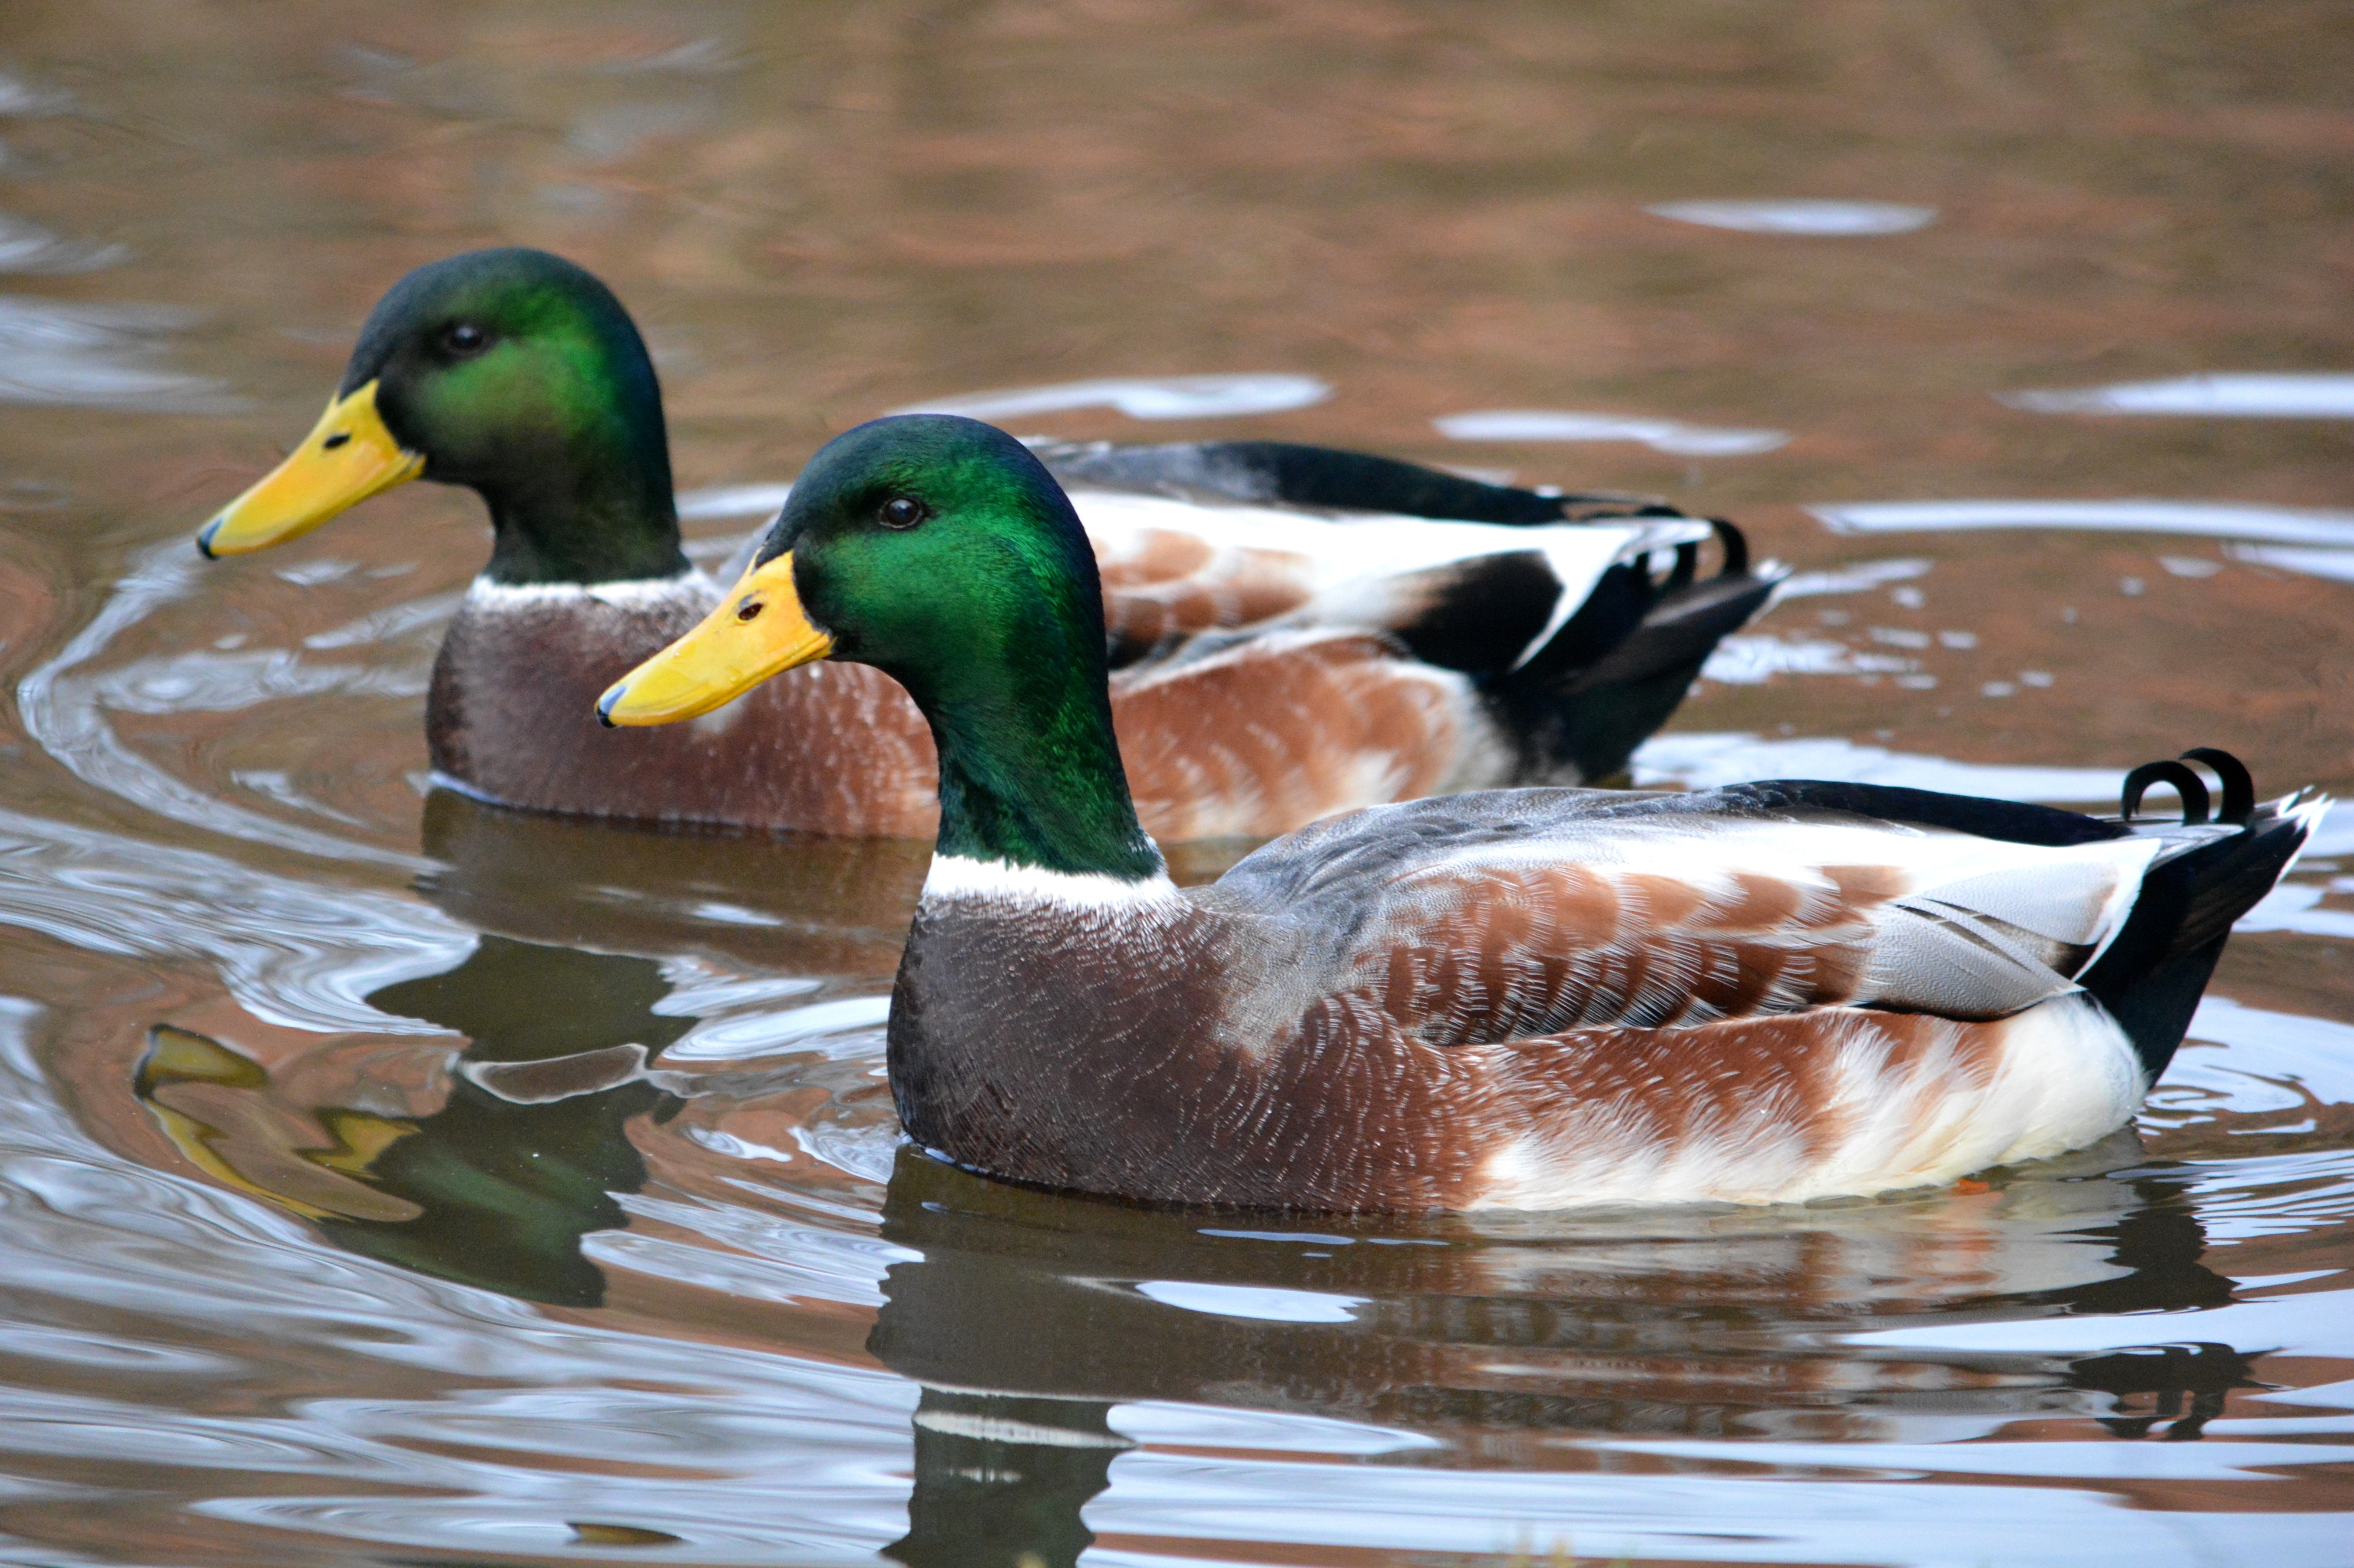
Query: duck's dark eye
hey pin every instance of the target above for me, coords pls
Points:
(902, 511)
(465, 337)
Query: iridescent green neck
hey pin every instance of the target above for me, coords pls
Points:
(1030, 772)
(582, 494)
(939, 550)
(601, 516)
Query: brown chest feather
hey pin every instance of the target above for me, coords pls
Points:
(1251, 743)
(832, 748)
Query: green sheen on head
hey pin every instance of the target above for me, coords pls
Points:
(940, 551)
(519, 375)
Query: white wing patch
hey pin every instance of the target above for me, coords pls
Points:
(1997, 940)
(1346, 559)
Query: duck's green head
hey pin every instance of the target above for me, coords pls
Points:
(517, 374)
(939, 550)
(927, 546)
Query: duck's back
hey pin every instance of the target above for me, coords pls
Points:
(1495, 916)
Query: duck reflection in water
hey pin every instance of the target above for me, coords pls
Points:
(798, 903)
(496, 1185)
(1029, 1316)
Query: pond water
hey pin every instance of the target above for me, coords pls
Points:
(2019, 329)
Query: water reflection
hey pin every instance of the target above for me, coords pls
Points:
(1000, 1480)
(1035, 1325)
(1051, 1334)
(800, 902)
(435, 1173)
(1679, 1324)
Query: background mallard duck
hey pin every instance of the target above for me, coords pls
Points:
(1292, 634)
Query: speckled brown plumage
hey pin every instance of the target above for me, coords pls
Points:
(1162, 586)
(1277, 732)
(511, 717)
(1116, 1077)
(1539, 999)
(1253, 741)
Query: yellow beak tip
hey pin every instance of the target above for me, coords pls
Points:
(205, 539)
(605, 705)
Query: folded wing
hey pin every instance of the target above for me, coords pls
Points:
(1478, 596)
(1493, 917)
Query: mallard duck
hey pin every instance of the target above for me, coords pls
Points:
(1363, 654)
(1525, 999)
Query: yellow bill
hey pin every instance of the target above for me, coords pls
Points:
(349, 457)
(759, 630)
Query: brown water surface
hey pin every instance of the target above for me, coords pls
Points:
(302, 1290)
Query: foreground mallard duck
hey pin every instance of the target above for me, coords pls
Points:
(1517, 998)
(1386, 657)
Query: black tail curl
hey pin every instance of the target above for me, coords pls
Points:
(1618, 667)
(2239, 788)
(2152, 975)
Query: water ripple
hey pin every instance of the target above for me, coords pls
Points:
(2207, 519)
(1699, 760)
(1188, 1502)
(1161, 398)
(98, 356)
(68, 714)
(2274, 395)
(1819, 218)
(296, 953)
(28, 248)
(1669, 436)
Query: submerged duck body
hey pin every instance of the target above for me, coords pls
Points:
(1528, 999)
(1295, 631)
